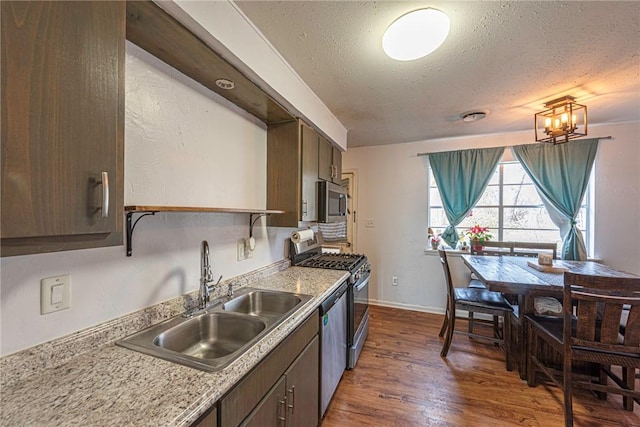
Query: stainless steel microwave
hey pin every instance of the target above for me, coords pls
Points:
(332, 202)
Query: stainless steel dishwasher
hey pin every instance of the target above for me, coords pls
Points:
(333, 344)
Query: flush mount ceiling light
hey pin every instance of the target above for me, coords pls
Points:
(415, 34)
(564, 120)
(473, 116)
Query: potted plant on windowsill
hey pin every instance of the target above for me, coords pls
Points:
(478, 236)
(435, 241)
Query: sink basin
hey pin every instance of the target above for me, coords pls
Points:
(210, 335)
(210, 339)
(262, 303)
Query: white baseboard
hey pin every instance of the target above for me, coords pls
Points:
(422, 308)
(433, 310)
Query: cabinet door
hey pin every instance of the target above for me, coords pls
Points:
(271, 410)
(62, 102)
(325, 154)
(302, 388)
(284, 173)
(309, 174)
(210, 420)
(337, 166)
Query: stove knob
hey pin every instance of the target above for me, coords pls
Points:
(357, 276)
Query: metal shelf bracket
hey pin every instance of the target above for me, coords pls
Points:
(131, 226)
(252, 221)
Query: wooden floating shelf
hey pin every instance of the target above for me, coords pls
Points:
(145, 210)
(196, 209)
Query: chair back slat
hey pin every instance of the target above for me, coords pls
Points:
(524, 249)
(610, 328)
(532, 249)
(491, 247)
(587, 312)
(632, 328)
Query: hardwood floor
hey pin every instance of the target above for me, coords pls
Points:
(401, 380)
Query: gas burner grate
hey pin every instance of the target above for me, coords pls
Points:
(333, 261)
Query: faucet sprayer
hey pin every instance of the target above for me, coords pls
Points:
(206, 276)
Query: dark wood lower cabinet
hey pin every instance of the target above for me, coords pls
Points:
(302, 388)
(293, 401)
(282, 390)
(272, 410)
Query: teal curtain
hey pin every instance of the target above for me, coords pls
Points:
(561, 175)
(461, 177)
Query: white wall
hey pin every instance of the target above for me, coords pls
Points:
(392, 193)
(184, 145)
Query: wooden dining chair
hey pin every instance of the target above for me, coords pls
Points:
(590, 331)
(523, 249)
(477, 301)
(474, 283)
(491, 247)
(533, 249)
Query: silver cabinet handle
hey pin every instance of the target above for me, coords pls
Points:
(283, 404)
(292, 392)
(105, 194)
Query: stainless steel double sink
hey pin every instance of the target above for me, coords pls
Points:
(210, 339)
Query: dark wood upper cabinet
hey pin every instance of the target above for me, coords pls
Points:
(292, 173)
(337, 166)
(329, 162)
(309, 174)
(62, 106)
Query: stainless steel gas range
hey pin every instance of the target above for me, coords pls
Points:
(309, 254)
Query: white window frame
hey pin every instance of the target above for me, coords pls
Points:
(588, 203)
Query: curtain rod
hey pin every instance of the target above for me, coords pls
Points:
(511, 146)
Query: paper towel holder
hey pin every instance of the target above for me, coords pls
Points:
(300, 251)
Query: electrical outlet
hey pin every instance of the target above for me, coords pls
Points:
(369, 223)
(241, 250)
(394, 281)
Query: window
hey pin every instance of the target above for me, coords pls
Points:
(511, 208)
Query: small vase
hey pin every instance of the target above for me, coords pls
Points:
(434, 245)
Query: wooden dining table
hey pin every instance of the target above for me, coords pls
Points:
(513, 276)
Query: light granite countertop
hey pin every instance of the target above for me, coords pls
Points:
(111, 385)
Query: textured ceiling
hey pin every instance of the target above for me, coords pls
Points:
(507, 58)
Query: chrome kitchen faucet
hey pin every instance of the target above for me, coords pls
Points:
(206, 276)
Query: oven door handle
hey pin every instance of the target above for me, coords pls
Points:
(363, 284)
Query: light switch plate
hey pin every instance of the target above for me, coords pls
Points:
(55, 294)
